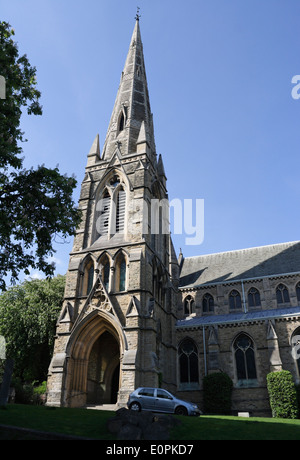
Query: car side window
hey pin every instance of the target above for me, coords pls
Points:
(146, 392)
(163, 394)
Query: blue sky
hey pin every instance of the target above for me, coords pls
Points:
(219, 75)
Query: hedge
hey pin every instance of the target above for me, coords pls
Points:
(282, 394)
(217, 391)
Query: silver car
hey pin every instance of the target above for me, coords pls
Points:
(159, 400)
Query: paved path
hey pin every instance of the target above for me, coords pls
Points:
(112, 407)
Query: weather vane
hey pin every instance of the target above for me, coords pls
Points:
(137, 17)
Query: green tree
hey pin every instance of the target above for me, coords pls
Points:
(28, 316)
(36, 204)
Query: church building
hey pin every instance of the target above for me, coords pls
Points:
(136, 314)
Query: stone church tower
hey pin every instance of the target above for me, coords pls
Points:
(116, 330)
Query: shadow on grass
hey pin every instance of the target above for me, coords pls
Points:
(73, 422)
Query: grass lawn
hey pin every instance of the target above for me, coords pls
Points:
(75, 422)
(92, 424)
(237, 428)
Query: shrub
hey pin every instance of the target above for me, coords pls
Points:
(29, 393)
(217, 391)
(282, 394)
(298, 398)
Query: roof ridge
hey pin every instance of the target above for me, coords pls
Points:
(289, 243)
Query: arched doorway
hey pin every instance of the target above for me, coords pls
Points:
(93, 374)
(103, 373)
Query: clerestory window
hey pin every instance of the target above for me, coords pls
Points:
(208, 303)
(235, 301)
(254, 298)
(282, 294)
(189, 305)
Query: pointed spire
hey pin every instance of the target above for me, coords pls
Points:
(142, 143)
(160, 167)
(131, 119)
(94, 154)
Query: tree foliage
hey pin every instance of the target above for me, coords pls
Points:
(36, 205)
(28, 316)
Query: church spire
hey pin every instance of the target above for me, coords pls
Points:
(131, 113)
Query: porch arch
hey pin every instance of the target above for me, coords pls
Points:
(91, 334)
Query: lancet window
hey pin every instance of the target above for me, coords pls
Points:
(111, 209)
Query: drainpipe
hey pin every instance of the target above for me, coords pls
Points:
(204, 350)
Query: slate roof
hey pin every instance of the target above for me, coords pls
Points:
(256, 262)
(235, 318)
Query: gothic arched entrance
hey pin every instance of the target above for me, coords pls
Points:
(103, 371)
(95, 348)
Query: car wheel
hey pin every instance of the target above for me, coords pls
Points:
(180, 410)
(135, 406)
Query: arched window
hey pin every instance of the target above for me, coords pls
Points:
(189, 305)
(102, 223)
(111, 209)
(120, 213)
(254, 298)
(282, 294)
(245, 360)
(105, 271)
(298, 292)
(208, 303)
(88, 278)
(188, 364)
(235, 301)
(120, 273)
(121, 122)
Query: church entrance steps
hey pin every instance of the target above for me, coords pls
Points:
(111, 407)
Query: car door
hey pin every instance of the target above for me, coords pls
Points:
(164, 401)
(146, 398)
